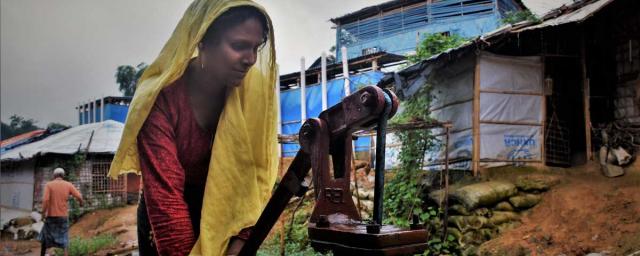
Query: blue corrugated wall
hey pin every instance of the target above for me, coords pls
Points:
(400, 31)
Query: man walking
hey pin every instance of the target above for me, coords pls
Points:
(55, 232)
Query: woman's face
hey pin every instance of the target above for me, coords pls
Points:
(228, 58)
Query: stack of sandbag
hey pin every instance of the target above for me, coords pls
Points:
(481, 211)
(364, 192)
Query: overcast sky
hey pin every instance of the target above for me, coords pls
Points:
(56, 54)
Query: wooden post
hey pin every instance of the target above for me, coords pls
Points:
(476, 118)
(303, 94)
(543, 109)
(323, 78)
(585, 98)
(345, 71)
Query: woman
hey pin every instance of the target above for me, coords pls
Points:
(202, 132)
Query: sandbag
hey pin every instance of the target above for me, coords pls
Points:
(482, 212)
(455, 233)
(525, 201)
(458, 209)
(500, 217)
(504, 227)
(487, 234)
(484, 194)
(465, 223)
(471, 238)
(504, 206)
(532, 183)
(470, 251)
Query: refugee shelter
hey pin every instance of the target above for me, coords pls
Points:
(27, 168)
(305, 94)
(535, 92)
(399, 26)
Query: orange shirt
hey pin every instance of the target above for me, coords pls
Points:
(56, 194)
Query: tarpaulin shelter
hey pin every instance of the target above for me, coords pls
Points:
(532, 92)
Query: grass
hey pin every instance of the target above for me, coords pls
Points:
(80, 246)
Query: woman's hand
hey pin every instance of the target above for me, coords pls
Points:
(234, 246)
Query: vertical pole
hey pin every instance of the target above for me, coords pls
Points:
(585, 97)
(95, 110)
(303, 94)
(476, 118)
(91, 113)
(543, 109)
(80, 114)
(447, 128)
(102, 108)
(345, 71)
(324, 80)
(278, 117)
(374, 65)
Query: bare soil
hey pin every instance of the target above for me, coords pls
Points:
(586, 212)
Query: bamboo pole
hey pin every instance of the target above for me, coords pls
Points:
(476, 118)
(585, 98)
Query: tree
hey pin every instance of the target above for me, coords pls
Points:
(57, 126)
(17, 125)
(127, 77)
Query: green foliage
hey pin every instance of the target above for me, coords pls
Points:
(296, 236)
(127, 77)
(438, 247)
(57, 126)
(403, 193)
(433, 44)
(518, 16)
(79, 246)
(17, 125)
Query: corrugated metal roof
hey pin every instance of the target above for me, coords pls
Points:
(105, 139)
(578, 15)
(542, 7)
(20, 138)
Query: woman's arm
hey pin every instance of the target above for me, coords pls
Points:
(163, 182)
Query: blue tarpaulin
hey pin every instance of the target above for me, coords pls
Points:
(290, 110)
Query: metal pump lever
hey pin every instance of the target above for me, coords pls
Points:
(323, 139)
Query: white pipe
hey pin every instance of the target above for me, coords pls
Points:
(345, 72)
(102, 109)
(303, 94)
(324, 80)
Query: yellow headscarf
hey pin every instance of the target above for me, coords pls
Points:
(243, 165)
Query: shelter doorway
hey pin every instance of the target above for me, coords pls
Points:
(565, 142)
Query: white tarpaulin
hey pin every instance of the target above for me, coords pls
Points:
(102, 137)
(511, 111)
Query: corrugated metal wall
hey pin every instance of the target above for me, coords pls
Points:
(400, 30)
